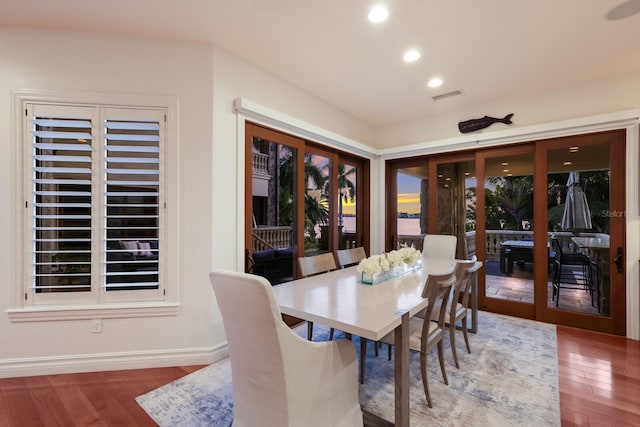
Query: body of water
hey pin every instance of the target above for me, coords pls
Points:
(406, 226)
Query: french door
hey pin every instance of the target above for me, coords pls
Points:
(301, 199)
(514, 208)
(584, 177)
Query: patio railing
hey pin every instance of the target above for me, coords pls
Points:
(271, 237)
(495, 237)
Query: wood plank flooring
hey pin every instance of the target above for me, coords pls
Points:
(599, 378)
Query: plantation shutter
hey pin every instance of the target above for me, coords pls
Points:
(61, 187)
(132, 203)
(95, 209)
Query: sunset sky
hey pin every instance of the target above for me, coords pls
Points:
(408, 196)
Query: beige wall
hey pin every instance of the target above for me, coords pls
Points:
(597, 98)
(82, 63)
(205, 81)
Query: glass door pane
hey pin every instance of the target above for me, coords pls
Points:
(348, 233)
(412, 213)
(318, 236)
(508, 217)
(456, 204)
(272, 205)
(578, 213)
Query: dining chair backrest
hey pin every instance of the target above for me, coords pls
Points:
(469, 277)
(312, 265)
(271, 386)
(461, 276)
(349, 257)
(439, 246)
(437, 291)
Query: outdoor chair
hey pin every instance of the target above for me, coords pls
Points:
(279, 378)
(573, 270)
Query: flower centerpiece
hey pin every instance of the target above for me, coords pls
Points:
(378, 268)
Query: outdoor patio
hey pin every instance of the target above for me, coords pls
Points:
(519, 287)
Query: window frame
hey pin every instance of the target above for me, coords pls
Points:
(164, 302)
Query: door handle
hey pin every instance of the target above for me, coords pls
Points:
(618, 260)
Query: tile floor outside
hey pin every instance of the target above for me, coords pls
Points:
(519, 287)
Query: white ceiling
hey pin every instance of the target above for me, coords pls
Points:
(488, 49)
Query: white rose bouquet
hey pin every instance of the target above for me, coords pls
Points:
(409, 255)
(375, 264)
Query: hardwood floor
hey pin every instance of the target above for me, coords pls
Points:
(599, 378)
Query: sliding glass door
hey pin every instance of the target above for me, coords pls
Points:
(273, 226)
(545, 217)
(506, 230)
(301, 199)
(585, 222)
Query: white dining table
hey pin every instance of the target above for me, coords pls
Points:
(340, 300)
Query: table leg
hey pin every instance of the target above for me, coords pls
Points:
(402, 372)
(474, 305)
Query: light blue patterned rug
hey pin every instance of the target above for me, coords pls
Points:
(509, 379)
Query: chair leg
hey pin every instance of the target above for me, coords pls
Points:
(441, 357)
(425, 382)
(465, 333)
(363, 356)
(310, 331)
(452, 341)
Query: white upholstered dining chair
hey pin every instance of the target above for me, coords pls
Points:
(279, 378)
(426, 333)
(439, 246)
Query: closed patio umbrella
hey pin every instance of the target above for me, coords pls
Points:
(577, 215)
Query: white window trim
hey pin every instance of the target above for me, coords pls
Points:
(20, 311)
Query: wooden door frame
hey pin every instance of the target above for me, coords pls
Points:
(391, 195)
(253, 130)
(616, 323)
(363, 193)
(538, 150)
(302, 146)
(510, 308)
(316, 150)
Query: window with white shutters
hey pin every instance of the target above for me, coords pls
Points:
(95, 217)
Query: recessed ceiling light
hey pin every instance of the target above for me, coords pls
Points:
(505, 163)
(378, 13)
(574, 149)
(567, 163)
(435, 82)
(411, 55)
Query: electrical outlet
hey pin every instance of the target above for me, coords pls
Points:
(96, 325)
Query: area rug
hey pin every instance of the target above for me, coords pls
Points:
(509, 379)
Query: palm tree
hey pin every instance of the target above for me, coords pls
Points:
(346, 188)
(315, 205)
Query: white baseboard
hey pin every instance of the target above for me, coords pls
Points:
(26, 367)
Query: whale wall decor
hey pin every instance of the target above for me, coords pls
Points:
(481, 123)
